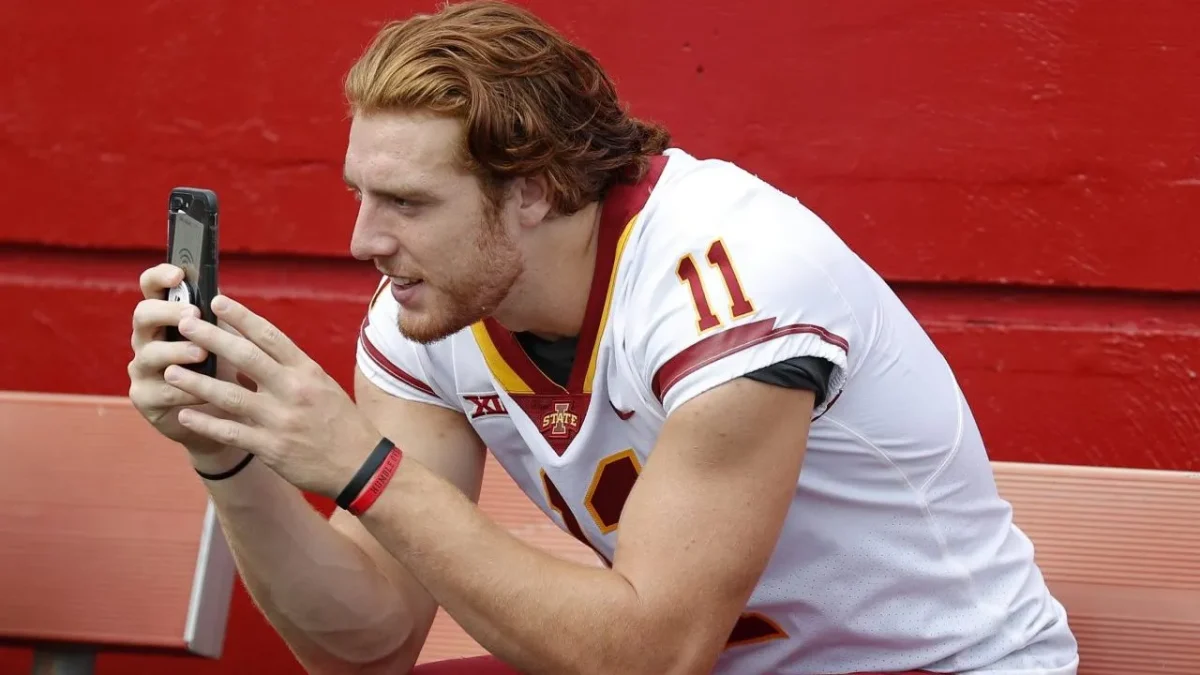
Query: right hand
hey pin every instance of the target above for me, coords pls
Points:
(156, 400)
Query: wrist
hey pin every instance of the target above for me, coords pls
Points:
(216, 461)
(371, 478)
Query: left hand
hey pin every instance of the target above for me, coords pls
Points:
(299, 422)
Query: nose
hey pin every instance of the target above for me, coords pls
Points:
(370, 238)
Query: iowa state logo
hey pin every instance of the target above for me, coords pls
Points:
(561, 422)
(558, 417)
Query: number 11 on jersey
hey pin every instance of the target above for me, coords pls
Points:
(689, 273)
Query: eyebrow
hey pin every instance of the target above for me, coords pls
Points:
(406, 192)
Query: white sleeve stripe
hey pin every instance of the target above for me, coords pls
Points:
(731, 341)
(392, 369)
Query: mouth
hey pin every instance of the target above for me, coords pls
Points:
(405, 283)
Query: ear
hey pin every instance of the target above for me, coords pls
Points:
(531, 195)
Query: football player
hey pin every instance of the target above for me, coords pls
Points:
(680, 364)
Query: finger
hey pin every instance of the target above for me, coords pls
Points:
(154, 357)
(226, 327)
(150, 395)
(226, 432)
(150, 317)
(258, 330)
(235, 350)
(158, 279)
(232, 398)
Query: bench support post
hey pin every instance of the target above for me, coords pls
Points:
(63, 661)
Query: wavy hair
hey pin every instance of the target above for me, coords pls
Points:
(531, 102)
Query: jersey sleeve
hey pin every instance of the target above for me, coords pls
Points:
(390, 361)
(737, 287)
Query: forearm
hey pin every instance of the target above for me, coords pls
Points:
(511, 597)
(321, 592)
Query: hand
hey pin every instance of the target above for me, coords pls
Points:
(158, 401)
(299, 421)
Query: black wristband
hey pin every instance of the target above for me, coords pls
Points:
(229, 473)
(364, 473)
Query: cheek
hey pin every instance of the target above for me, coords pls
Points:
(427, 240)
(444, 254)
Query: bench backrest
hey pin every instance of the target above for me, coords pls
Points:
(106, 535)
(1121, 549)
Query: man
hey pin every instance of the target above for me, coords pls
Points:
(682, 366)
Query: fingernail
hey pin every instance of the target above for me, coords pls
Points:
(187, 324)
(195, 352)
(219, 304)
(171, 374)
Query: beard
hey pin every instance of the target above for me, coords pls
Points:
(484, 273)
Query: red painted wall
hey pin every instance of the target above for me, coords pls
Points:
(1027, 173)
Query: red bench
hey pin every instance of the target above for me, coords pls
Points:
(107, 541)
(94, 562)
(1121, 549)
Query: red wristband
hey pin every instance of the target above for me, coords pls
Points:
(378, 482)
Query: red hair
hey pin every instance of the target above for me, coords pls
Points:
(531, 102)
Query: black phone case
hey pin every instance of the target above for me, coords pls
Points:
(201, 205)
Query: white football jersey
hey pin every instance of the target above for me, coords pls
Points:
(897, 553)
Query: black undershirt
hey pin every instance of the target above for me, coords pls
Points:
(555, 358)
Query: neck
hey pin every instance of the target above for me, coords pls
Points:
(550, 297)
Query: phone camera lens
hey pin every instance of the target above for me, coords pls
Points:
(176, 204)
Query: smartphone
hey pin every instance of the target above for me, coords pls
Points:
(192, 245)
